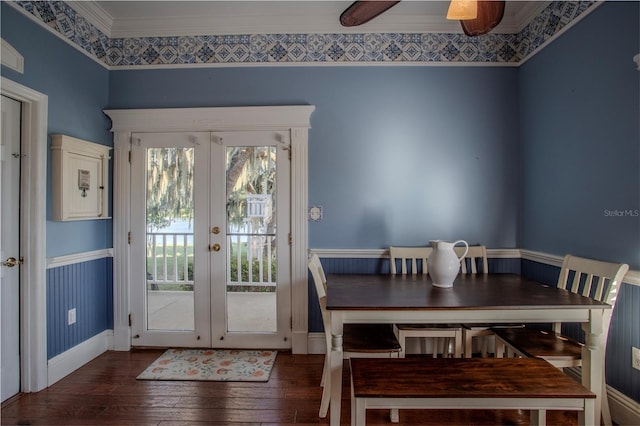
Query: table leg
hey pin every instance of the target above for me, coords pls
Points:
(593, 358)
(336, 361)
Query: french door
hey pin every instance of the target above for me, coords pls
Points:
(210, 225)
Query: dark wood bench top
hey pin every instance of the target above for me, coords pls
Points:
(422, 377)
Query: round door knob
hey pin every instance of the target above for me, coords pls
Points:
(215, 247)
(10, 262)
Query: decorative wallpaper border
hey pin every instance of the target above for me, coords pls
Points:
(294, 49)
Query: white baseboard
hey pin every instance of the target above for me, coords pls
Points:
(67, 362)
(299, 342)
(624, 410)
(316, 343)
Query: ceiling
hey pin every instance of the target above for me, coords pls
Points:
(179, 18)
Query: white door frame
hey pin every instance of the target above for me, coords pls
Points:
(294, 119)
(33, 213)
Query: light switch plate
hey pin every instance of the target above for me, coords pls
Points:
(315, 213)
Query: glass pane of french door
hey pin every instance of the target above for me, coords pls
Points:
(169, 182)
(251, 236)
(251, 295)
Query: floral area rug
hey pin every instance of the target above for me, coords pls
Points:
(212, 365)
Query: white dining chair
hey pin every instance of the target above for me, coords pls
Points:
(591, 278)
(474, 260)
(411, 261)
(358, 340)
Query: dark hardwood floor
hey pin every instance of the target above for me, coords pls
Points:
(106, 392)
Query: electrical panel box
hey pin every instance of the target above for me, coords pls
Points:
(80, 179)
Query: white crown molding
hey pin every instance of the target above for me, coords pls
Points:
(210, 119)
(315, 19)
(70, 259)
(528, 13)
(95, 14)
(54, 32)
(11, 58)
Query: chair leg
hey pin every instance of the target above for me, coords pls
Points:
(324, 370)
(538, 418)
(423, 344)
(457, 341)
(484, 346)
(402, 339)
(326, 390)
(499, 348)
(468, 346)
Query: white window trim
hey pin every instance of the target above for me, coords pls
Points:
(295, 119)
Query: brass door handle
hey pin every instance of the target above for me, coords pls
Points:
(11, 262)
(214, 247)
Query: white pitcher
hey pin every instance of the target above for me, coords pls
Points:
(443, 263)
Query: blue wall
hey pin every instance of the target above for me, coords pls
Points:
(397, 155)
(77, 88)
(580, 139)
(85, 286)
(528, 157)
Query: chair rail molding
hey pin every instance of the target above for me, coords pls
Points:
(632, 277)
(70, 259)
(294, 118)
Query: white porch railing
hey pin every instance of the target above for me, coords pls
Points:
(170, 260)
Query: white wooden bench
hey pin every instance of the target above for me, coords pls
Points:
(466, 383)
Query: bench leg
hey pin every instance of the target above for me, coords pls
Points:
(394, 414)
(586, 417)
(538, 418)
(499, 348)
(358, 412)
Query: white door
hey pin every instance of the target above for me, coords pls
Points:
(209, 241)
(10, 247)
(169, 240)
(250, 224)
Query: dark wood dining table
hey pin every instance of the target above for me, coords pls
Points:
(477, 298)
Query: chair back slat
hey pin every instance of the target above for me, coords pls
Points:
(609, 276)
(600, 288)
(475, 254)
(408, 255)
